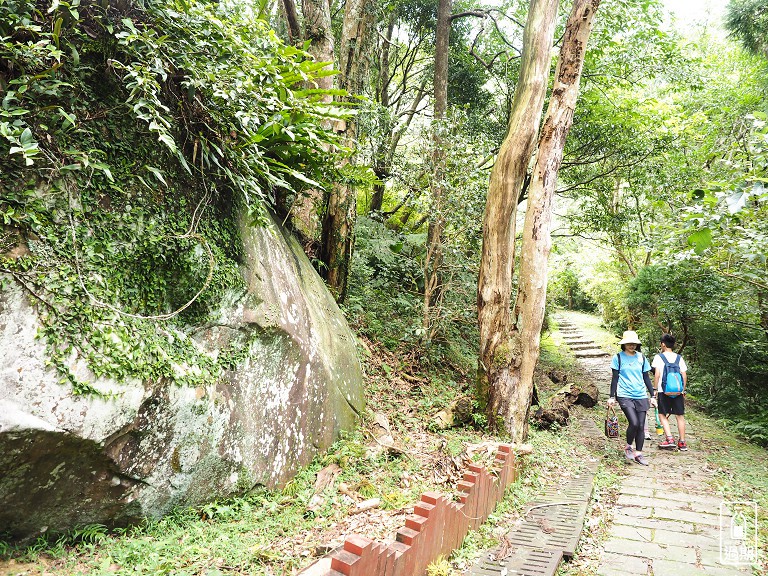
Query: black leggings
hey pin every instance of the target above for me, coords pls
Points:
(635, 410)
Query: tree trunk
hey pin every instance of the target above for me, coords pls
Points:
(500, 347)
(305, 214)
(433, 259)
(537, 233)
(292, 20)
(341, 209)
(762, 307)
(381, 166)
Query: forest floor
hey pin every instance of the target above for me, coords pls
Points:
(279, 532)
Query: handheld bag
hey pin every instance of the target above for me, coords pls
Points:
(611, 423)
(671, 378)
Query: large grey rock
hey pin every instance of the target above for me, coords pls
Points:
(68, 461)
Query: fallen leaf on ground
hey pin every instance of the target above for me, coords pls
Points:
(325, 477)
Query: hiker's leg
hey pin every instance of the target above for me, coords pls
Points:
(634, 424)
(665, 424)
(664, 411)
(641, 428)
(681, 426)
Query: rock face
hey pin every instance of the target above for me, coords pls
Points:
(68, 461)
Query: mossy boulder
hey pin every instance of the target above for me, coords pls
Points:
(143, 447)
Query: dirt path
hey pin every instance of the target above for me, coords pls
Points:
(667, 520)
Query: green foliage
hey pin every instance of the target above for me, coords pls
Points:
(467, 77)
(565, 290)
(755, 428)
(727, 219)
(673, 295)
(189, 74)
(136, 135)
(440, 567)
(385, 279)
(92, 533)
(629, 45)
(747, 20)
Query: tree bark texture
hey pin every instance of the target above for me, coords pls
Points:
(292, 20)
(500, 346)
(537, 229)
(305, 214)
(433, 259)
(341, 208)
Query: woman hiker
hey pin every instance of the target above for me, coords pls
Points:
(631, 385)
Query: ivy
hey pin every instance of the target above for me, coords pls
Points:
(135, 136)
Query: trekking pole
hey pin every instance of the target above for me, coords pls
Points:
(659, 428)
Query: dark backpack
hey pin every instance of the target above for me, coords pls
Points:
(671, 377)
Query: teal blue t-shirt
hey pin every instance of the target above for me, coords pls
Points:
(631, 383)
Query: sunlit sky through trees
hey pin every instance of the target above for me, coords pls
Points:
(693, 12)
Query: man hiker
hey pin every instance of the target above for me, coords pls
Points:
(670, 380)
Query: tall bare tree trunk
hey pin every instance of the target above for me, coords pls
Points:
(537, 232)
(381, 164)
(500, 347)
(292, 20)
(433, 259)
(305, 214)
(341, 209)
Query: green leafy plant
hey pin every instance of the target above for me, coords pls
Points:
(137, 135)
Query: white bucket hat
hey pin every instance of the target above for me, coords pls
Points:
(630, 337)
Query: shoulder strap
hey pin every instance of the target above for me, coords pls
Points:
(664, 359)
(618, 359)
(677, 360)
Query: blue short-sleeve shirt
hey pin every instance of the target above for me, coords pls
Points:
(631, 383)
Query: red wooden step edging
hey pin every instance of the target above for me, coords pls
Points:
(437, 526)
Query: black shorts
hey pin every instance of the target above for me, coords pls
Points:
(671, 404)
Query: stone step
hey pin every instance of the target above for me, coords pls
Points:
(585, 346)
(594, 353)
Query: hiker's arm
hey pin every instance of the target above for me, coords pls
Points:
(648, 384)
(614, 382)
